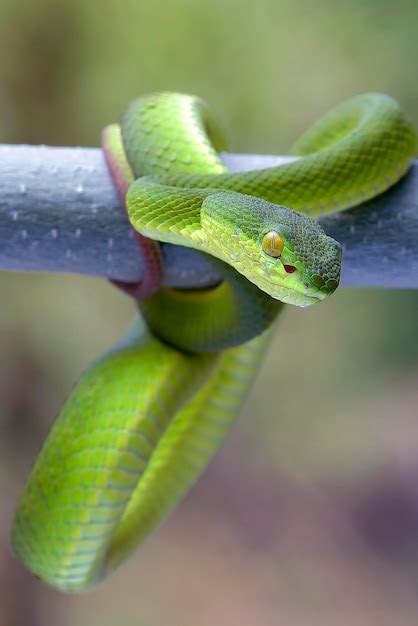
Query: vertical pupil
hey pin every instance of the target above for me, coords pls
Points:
(273, 244)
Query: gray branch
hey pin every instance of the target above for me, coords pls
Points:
(59, 213)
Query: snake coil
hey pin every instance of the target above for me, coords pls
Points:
(145, 419)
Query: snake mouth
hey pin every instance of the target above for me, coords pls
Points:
(297, 287)
(291, 295)
(317, 296)
(312, 298)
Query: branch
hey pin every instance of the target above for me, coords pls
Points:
(59, 213)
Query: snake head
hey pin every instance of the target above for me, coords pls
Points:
(285, 253)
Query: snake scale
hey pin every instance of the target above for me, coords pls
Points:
(145, 419)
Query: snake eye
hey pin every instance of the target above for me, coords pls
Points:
(273, 244)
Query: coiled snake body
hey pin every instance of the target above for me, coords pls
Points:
(145, 419)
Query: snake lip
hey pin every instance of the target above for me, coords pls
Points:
(293, 296)
(313, 297)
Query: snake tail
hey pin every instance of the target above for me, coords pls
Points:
(116, 460)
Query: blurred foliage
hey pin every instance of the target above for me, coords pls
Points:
(335, 403)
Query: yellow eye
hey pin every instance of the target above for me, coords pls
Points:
(273, 244)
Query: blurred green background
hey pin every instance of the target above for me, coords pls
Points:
(309, 514)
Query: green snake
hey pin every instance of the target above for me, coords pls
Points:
(145, 419)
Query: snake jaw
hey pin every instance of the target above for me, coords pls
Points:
(298, 291)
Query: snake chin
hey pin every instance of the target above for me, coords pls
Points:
(290, 295)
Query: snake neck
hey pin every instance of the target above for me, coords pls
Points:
(231, 226)
(211, 319)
